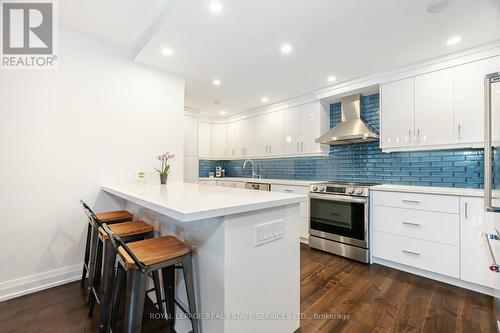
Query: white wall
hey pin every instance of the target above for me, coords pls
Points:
(98, 118)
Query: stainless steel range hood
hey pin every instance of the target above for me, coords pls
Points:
(351, 129)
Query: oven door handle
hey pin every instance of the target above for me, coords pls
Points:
(333, 197)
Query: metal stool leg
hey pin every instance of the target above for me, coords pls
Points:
(92, 260)
(187, 266)
(168, 274)
(117, 296)
(87, 255)
(96, 277)
(108, 262)
(136, 294)
(157, 285)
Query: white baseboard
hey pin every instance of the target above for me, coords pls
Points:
(304, 240)
(436, 276)
(33, 283)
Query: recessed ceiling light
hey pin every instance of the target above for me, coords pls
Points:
(215, 6)
(454, 40)
(286, 48)
(264, 99)
(167, 51)
(222, 112)
(332, 79)
(216, 82)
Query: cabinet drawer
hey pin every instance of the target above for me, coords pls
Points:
(430, 202)
(426, 225)
(434, 257)
(294, 189)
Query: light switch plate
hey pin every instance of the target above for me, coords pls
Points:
(268, 232)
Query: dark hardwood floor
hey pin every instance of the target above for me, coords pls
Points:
(337, 295)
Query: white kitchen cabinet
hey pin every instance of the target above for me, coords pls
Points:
(247, 135)
(190, 136)
(292, 134)
(269, 134)
(434, 108)
(304, 206)
(203, 140)
(234, 140)
(474, 223)
(397, 114)
(469, 100)
(218, 141)
(191, 167)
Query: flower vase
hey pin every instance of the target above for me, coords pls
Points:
(163, 178)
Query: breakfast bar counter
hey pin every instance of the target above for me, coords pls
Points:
(246, 250)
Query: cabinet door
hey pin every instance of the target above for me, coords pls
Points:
(310, 128)
(434, 111)
(191, 166)
(218, 140)
(248, 143)
(190, 136)
(475, 261)
(203, 140)
(291, 131)
(274, 132)
(304, 205)
(469, 99)
(397, 113)
(260, 141)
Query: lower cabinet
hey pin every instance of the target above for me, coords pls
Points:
(304, 206)
(474, 223)
(434, 234)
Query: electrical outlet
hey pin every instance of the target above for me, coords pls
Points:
(268, 232)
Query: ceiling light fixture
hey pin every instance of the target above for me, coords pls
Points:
(167, 51)
(264, 99)
(215, 6)
(454, 40)
(332, 79)
(216, 82)
(223, 112)
(286, 48)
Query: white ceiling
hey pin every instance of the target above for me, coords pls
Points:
(241, 45)
(120, 22)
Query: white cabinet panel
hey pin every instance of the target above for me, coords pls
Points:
(397, 113)
(473, 247)
(274, 131)
(429, 202)
(304, 206)
(203, 140)
(311, 127)
(218, 140)
(434, 108)
(191, 169)
(291, 131)
(431, 226)
(190, 136)
(434, 257)
(247, 134)
(469, 99)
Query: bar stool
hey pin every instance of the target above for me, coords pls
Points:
(135, 261)
(110, 217)
(105, 255)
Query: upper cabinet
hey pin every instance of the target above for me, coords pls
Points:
(203, 140)
(434, 108)
(440, 109)
(190, 136)
(218, 141)
(397, 113)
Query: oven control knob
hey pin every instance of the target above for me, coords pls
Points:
(314, 188)
(321, 188)
(359, 191)
(350, 191)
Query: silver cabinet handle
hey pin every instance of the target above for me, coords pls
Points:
(267, 150)
(232, 152)
(412, 224)
(411, 252)
(466, 210)
(302, 146)
(418, 135)
(494, 267)
(459, 132)
(297, 146)
(409, 136)
(411, 201)
(270, 149)
(289, 191)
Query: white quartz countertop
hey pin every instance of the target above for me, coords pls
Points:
(190, 202)
(264, 180)
(433, 190)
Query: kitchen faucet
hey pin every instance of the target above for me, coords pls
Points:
(254, 174)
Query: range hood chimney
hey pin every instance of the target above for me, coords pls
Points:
(351, 129)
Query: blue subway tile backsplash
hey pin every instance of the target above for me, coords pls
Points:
(365, 162)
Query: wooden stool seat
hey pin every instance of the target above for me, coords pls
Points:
(126, 229)
(155, 250)
(114, 216)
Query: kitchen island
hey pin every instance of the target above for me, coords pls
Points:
(246, 251)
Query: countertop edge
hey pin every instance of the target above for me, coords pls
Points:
(205, 214)
(290, 182)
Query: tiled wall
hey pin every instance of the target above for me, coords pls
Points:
(366, 162)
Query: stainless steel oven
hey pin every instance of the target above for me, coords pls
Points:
(339, 219)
